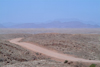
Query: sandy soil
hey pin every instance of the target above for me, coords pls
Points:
(12, 53)
(85, 46)
(49, 52)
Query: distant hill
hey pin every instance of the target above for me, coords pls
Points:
(1, 26)
(25, 25)
(72, 24)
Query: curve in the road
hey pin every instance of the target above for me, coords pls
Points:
(50, 52)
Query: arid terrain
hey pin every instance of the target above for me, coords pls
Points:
(80, 45)
(12, 53)
(84, 45)
(50, 30)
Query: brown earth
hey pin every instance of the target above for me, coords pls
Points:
(48, 63)
(12, 53)
(44, 41)
(85, 46)
(50, 53)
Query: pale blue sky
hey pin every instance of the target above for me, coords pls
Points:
(24, 11)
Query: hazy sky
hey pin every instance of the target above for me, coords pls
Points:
(23, 11)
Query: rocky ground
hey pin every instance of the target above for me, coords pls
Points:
(85, 46)
(48, 63)
(12, 55)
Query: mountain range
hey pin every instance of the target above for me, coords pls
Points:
(1, 26)
(56, 24)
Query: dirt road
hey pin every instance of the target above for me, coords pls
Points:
(50, 53)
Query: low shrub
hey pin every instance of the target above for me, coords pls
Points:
(93, 65)
(66, 61)
(1, 60)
